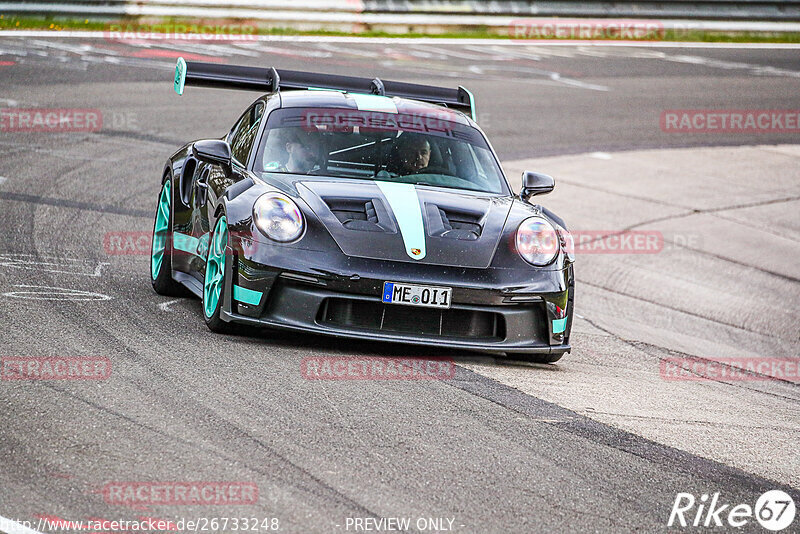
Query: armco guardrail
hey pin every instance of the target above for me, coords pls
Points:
(680, 9)
(423, 13)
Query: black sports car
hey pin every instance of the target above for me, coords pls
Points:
(361, 208)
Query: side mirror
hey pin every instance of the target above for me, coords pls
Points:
(213, 151)
(534, 183)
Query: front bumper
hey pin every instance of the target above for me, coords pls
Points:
(497, 310)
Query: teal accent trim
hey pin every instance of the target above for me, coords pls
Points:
(202, 245)
(248, 296)
(404, 202)
(180, 76)
(325, 89)
(472, 110)
(215, 268)
(559, 325)
(160, 230)
(379, 103)
(185, 243)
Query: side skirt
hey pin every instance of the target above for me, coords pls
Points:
(189, 282)
(196, 286)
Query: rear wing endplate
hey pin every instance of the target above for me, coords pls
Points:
(272, 80)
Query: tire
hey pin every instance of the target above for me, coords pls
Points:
(160, 255)
(214, 281)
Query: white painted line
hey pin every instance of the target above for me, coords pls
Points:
(556, 77)
(2, 180)
(552, 76)
(164, 306)
(432, 40)
(53, 293)
(480, 56)
(51, 264)
(12, 527)
(758, 70)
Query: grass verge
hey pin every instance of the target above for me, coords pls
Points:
(57, 23)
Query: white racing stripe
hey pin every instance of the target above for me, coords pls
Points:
(404, 202)
(383, 104)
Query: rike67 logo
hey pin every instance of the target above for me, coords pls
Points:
(774, 510)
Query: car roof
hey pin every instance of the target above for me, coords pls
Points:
(364, 102)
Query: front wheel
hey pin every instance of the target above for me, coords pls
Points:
(214, 284)
(160, 257)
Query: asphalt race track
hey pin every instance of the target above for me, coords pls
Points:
(599, 442)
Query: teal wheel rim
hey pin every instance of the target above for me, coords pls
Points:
(215, 268)
(160, 231)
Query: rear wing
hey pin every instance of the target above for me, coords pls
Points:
(272, 80)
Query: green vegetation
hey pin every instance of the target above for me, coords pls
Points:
(56, 24)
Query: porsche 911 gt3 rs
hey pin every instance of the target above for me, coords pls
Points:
(361, 208)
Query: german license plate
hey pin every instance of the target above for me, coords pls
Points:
(414, 295)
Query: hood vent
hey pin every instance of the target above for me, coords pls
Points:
(454, 224)
(357, 214)
(462, 228)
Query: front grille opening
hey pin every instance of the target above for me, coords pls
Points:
(471, 324)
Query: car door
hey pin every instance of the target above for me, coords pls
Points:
(212, 180)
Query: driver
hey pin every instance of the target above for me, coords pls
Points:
(414, 153)
(303, 152)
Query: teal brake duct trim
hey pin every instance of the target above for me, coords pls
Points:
(559, 325)
(248, 296)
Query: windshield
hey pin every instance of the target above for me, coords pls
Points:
(368, 145)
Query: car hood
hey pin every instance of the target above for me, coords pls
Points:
(406, 222)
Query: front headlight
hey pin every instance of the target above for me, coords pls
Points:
(537, 241)
(278, 217)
